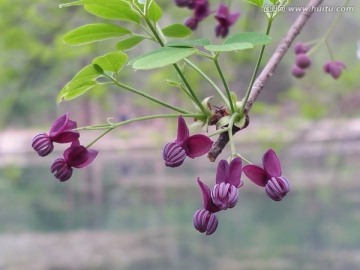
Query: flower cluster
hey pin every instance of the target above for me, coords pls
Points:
(302, 60)
(76, 156)
(334, 68)
(201, 10)
(222, 196)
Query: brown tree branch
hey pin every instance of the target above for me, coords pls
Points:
(268, 71)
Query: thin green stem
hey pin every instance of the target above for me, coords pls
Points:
(141, 93)
(230, 128)
(111, 127)
(217, 89)
(244, 159)
(257, 66)
(217, 132)
(227, 90)
(177, 68)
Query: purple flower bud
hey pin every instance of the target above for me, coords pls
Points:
(300, 48)
(173, 154)
(303, 61)
(185, 3)
(42, 144)
(224, 195)
(297, 72)
(61, 169)
(277, 188)
(225, 20)
(192, 23)
(205, 221)
(201, 10)
(334, 68)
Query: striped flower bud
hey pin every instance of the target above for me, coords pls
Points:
(205, 221)
(225, 195)
(277, 188)
(173, 154)
(42, 144)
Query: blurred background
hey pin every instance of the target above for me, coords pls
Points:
(127, 210)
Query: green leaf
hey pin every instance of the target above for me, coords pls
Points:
(94, 32)
(128, 43)
(112, 9)
(113, 61)
(258, 3)
(82, 82)
(155, 12)
(229, 47)
(177, 30)
(161, 57)
(254, 38)
(189, 43)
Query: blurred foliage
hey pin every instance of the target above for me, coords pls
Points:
(36, 64)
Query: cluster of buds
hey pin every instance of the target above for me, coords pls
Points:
(225, 192)
(76, 156)
(201, 10)
(334, 68)
(302, 60)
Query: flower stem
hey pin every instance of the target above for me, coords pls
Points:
(141, 93)
(230, 133)
(232, 108)
(177, 68)
(217, 89)
(110, 127)
(257, 66)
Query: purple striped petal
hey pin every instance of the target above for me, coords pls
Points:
(173, 155)
(205, 221)
(277, 188)
(61, 169)
(42, 144)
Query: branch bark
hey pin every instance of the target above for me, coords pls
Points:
(268, 71)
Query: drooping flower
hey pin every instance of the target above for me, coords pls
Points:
(61, 131)
(334, 68)
(201, 11)
(225, 20)
(205, 220)
(174, 153)
(76, 156)
(270, 176)
(225, 193)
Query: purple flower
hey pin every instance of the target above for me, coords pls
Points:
(76, 156)
(225, 20)
(204, 219)
(334, 68)
(201, 10)
(225, 193)
(297, 72)
(174, 153)
(300, 48)
(303, 61)
(61, 132)
(192, 23)
(270, 177)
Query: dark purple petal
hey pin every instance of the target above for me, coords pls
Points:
(222, 172)
(233, 18)
(42, 144)
(66, 136)
(79, 156)
(224, 195)
(205, 221)
(197, 145)
(222, 11)
(277, 188)
(185, 3)
(173, 155)
(192, 23)
(208, 204)
(256, 174)
(272, 164)
(221, 30)
(61, 169)
(235, 172)
(225, 20)
(61, 124)
(182, 131)
(201, 10)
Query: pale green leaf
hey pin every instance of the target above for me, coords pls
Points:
(128, 43)
(229, 47)
(177, 30)
(189, 43)
(94, 32)
(161, 57)
(258, 3)
(155, 12)
(113, 61)
(254, 38)
(79, 90)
